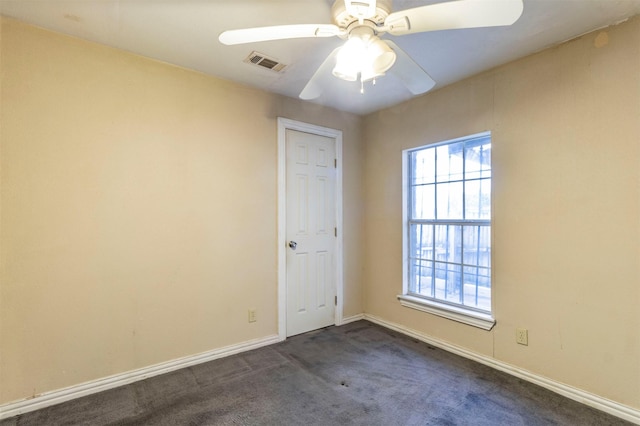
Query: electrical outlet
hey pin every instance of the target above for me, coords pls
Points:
(252, 315)
(522, 336)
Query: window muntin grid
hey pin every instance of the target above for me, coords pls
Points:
(449, 223)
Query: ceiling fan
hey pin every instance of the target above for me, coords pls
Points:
(366, 57)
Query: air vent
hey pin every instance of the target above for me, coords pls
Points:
(264, 61)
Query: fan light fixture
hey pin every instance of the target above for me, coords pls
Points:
(364, 55)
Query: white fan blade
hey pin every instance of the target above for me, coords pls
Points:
(454, 15)
(412, 75)
(313, 89)
(278, 32)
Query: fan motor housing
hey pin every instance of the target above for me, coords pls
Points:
(343, 19)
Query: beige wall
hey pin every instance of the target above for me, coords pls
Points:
(138, 211)
(566, 209)
(138, 207)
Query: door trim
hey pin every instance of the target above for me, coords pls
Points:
(283, 125)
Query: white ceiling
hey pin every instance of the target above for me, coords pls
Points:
(185, 33)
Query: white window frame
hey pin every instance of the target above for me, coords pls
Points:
(457, 313)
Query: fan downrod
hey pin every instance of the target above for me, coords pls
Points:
(344, 19)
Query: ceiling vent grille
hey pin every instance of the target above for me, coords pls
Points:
(264, 61)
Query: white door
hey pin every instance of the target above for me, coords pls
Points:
(310, 231)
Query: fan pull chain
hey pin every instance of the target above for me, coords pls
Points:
(373, 83)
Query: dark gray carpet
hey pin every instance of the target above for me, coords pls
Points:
(357, 374)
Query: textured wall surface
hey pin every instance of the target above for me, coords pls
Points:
(566, 209)
(138, 211)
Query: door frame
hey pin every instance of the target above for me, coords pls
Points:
(285, 124)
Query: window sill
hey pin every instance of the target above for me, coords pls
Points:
(475, 319)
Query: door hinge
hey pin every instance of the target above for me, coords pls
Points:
(335, 300)
(335, 232)
(335, 163)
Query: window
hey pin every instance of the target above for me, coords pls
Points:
(448, 229)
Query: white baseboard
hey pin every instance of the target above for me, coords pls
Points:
(352, 318)
(619, 410)
(58, 396)
(48, 399)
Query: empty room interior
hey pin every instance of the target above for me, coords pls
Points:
(147, 215)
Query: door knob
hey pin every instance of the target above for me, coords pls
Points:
(293, 245)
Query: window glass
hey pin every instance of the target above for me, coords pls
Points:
(449, 223)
